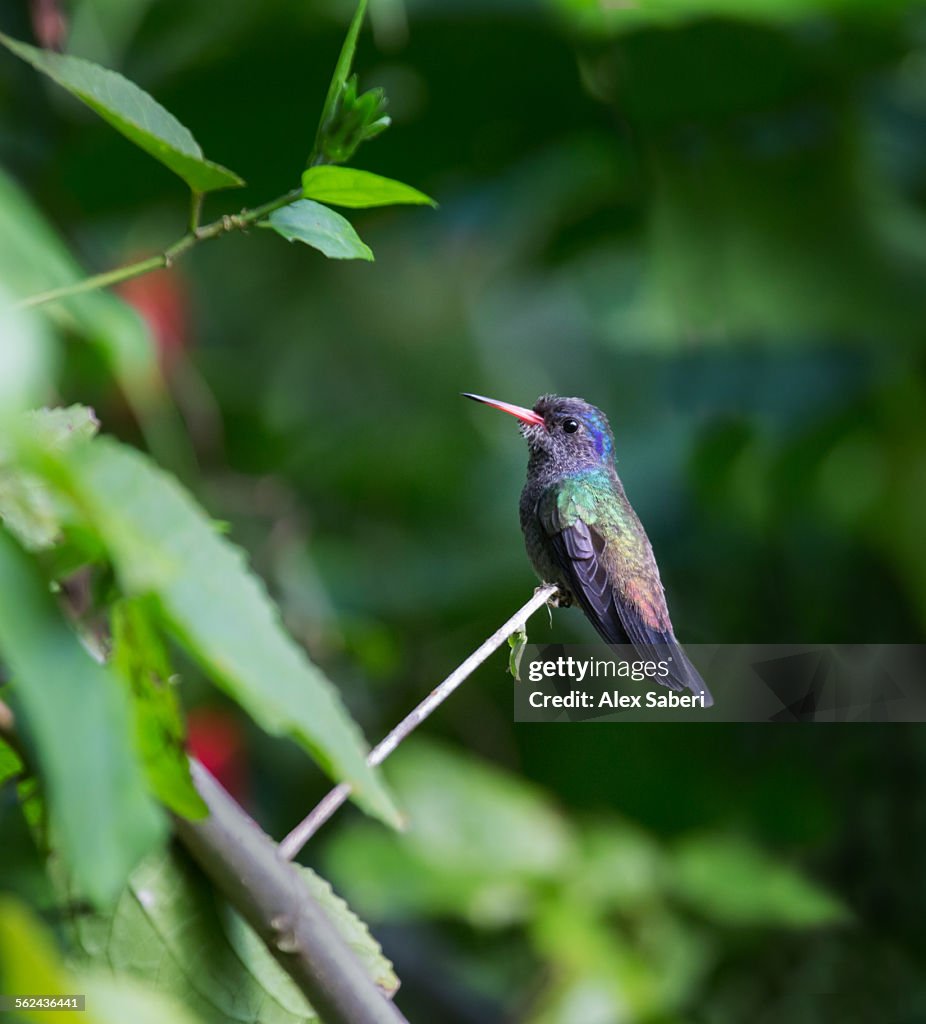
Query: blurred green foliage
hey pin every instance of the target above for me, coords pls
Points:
(601, 904)
(707, 219)
(70, 703)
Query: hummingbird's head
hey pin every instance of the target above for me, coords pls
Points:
(565, 433)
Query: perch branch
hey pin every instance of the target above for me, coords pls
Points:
(245, 864)
(300, 835)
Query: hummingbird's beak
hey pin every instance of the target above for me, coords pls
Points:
(526, 415)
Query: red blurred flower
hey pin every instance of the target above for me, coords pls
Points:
(216, 738)
(163, 301)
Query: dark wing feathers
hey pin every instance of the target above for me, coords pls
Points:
(576, 552)
(580, 552)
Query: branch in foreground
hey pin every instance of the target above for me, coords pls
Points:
(244, 863)
(196, 234)
(300, 835)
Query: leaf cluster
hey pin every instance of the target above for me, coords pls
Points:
(108, 568)
(348, 119)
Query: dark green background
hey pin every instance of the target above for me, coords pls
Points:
(711, 227)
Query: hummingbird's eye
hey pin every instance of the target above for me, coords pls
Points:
(570, 426)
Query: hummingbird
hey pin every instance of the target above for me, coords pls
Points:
(582, 534)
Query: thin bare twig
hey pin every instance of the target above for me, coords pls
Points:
(300, 835)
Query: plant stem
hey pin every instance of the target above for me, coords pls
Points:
(244, 863)
(196, 210)
(92, 283)
(300, 835)
(272, 896)
(225, 224)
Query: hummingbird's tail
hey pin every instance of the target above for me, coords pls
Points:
(683, 675)
(634, 613)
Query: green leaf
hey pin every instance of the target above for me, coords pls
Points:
(132, 112)
(24, 872)
(75, 713)
(27, 507)
(169, 928)
(345, 186)
(116, 1000)
(353, 931)
(30, 963)
(623, 868)
(162, 544)
(21, 809)
(28, 958)
(732, 882)
(386, 879)
(516, 643)
(479, 843)
(340, 76)
(61, 427)
(34, 259)
(10, 763)
(141, 659)
(466, 814)
(604, 973)
(27, 357)
(323, 229)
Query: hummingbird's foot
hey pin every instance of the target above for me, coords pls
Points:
(560, 599)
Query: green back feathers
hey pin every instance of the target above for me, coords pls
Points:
(582, 496)
(594, 497)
